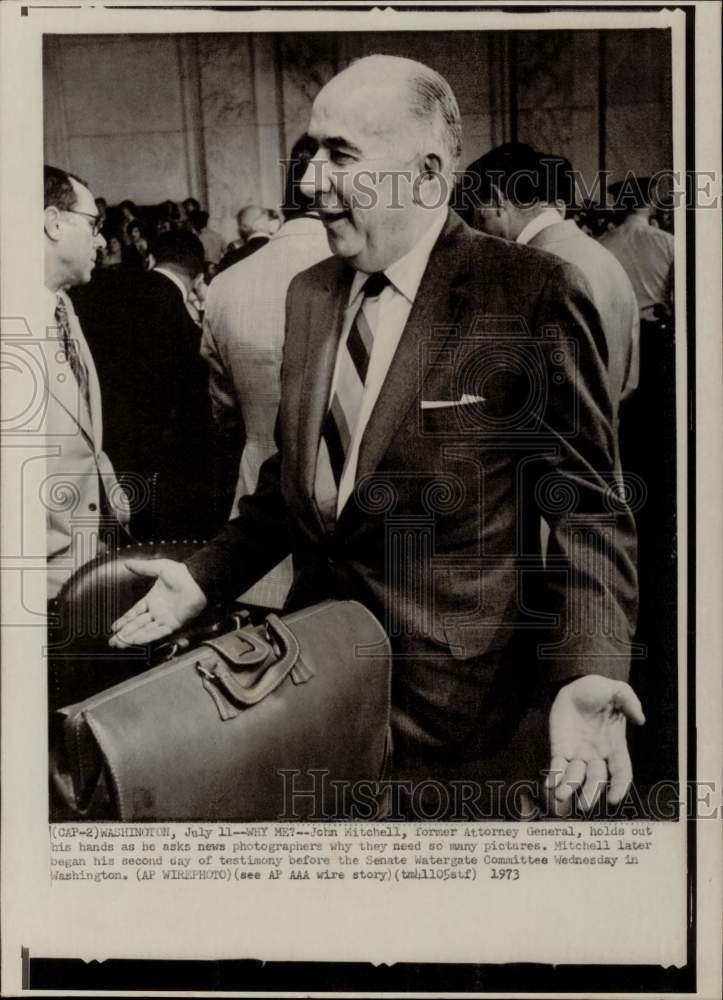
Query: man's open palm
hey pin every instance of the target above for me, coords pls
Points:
(587, 741)
(173, 600)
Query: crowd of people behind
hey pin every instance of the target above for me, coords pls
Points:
(129, 231)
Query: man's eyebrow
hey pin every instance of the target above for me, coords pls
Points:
(339, 142)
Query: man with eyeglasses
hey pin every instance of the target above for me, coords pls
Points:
(86, 509)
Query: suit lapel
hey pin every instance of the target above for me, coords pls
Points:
(439, 303)
(63, 387)
(96, 411)
(326, 311)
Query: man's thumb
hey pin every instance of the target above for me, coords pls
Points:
(628, 702)
(146, 567)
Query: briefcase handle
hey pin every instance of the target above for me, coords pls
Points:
(250, 666)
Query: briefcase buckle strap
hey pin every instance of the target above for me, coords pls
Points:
(243, 648)
(250, 667)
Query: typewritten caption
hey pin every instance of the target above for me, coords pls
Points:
(347, 852)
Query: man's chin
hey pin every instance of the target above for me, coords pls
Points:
(342, 246)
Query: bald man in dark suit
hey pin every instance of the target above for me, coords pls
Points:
(440, 390)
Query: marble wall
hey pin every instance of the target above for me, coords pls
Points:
(566, 79)
(557, 95)
(229, 116)
(152, 117)
(639, 98)
(116, 116)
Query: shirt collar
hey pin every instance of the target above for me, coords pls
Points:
(51, 298)
(175, 279)
(406, 273)
(549, 217)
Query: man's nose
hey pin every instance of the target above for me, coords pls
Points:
(99, 241)
(316, 177)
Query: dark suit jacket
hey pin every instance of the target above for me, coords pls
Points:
(158, 409)
(441, 537)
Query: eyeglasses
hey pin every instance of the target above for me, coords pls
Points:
(96, 219)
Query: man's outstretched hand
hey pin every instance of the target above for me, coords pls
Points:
(173, 600)
(587, 741)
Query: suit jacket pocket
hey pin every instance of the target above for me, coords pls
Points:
(453, 418)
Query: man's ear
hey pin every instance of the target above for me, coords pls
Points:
(52, 222)
(432, 164)
(431, 174)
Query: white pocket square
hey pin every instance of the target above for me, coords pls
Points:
(436, 404)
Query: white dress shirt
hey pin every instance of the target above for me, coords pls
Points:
(646, 254)
(387, 316)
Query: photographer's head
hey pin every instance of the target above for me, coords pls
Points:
(503, 190)
(181, 252)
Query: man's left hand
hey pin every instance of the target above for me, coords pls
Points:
(587, 741)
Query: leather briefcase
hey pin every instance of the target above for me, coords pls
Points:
(278, 721)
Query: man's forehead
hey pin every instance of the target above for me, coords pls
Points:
(85, 202)
(369, 111)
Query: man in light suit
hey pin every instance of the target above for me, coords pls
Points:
(243, 342)
(426, 420)
(521, 194)
(85, 507)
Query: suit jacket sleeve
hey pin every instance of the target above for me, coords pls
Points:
(590, 579)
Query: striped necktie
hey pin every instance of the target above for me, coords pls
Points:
(71, 350)
(338, 428)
